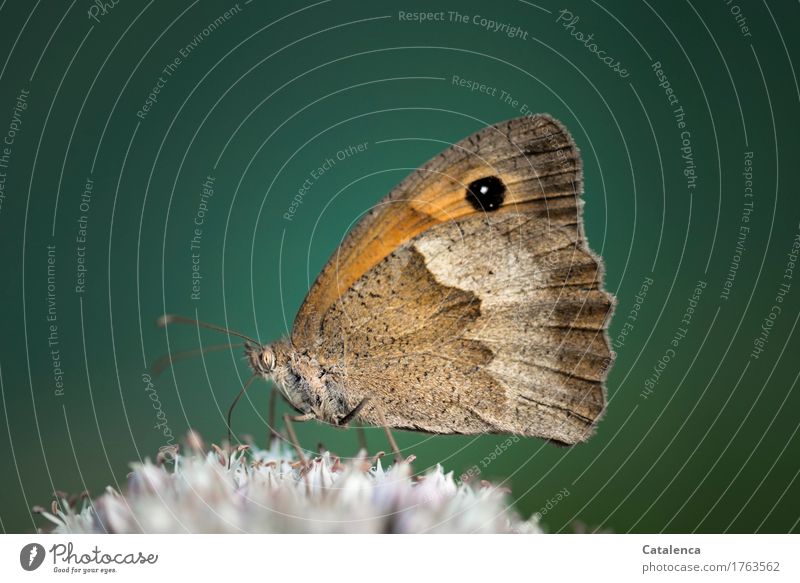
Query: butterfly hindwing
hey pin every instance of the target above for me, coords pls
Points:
(487, 313)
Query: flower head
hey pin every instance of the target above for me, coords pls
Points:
(256, 490)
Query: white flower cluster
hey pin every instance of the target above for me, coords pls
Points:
(268, 491)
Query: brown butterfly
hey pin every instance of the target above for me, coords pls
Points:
(467, 301)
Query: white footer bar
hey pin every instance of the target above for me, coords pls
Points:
(379, 559)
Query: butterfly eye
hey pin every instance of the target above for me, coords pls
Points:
(486, 194)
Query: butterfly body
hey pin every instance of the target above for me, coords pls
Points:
(467, 301)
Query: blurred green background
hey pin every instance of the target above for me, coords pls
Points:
(263, 97)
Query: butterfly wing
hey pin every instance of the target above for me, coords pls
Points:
(467, 301)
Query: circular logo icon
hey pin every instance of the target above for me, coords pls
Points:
(31, 556)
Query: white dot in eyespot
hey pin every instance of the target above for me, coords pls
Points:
(484, 189)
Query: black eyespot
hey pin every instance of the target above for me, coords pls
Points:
(486, 194)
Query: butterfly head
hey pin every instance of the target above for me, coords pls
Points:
(273, 362)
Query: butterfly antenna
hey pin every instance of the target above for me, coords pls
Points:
(168, 360)
(246, 386)
(168, 319)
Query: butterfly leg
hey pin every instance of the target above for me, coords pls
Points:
(344, 421)
(398, 457)
(288, 419)
(362, 439)
(271, 431)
